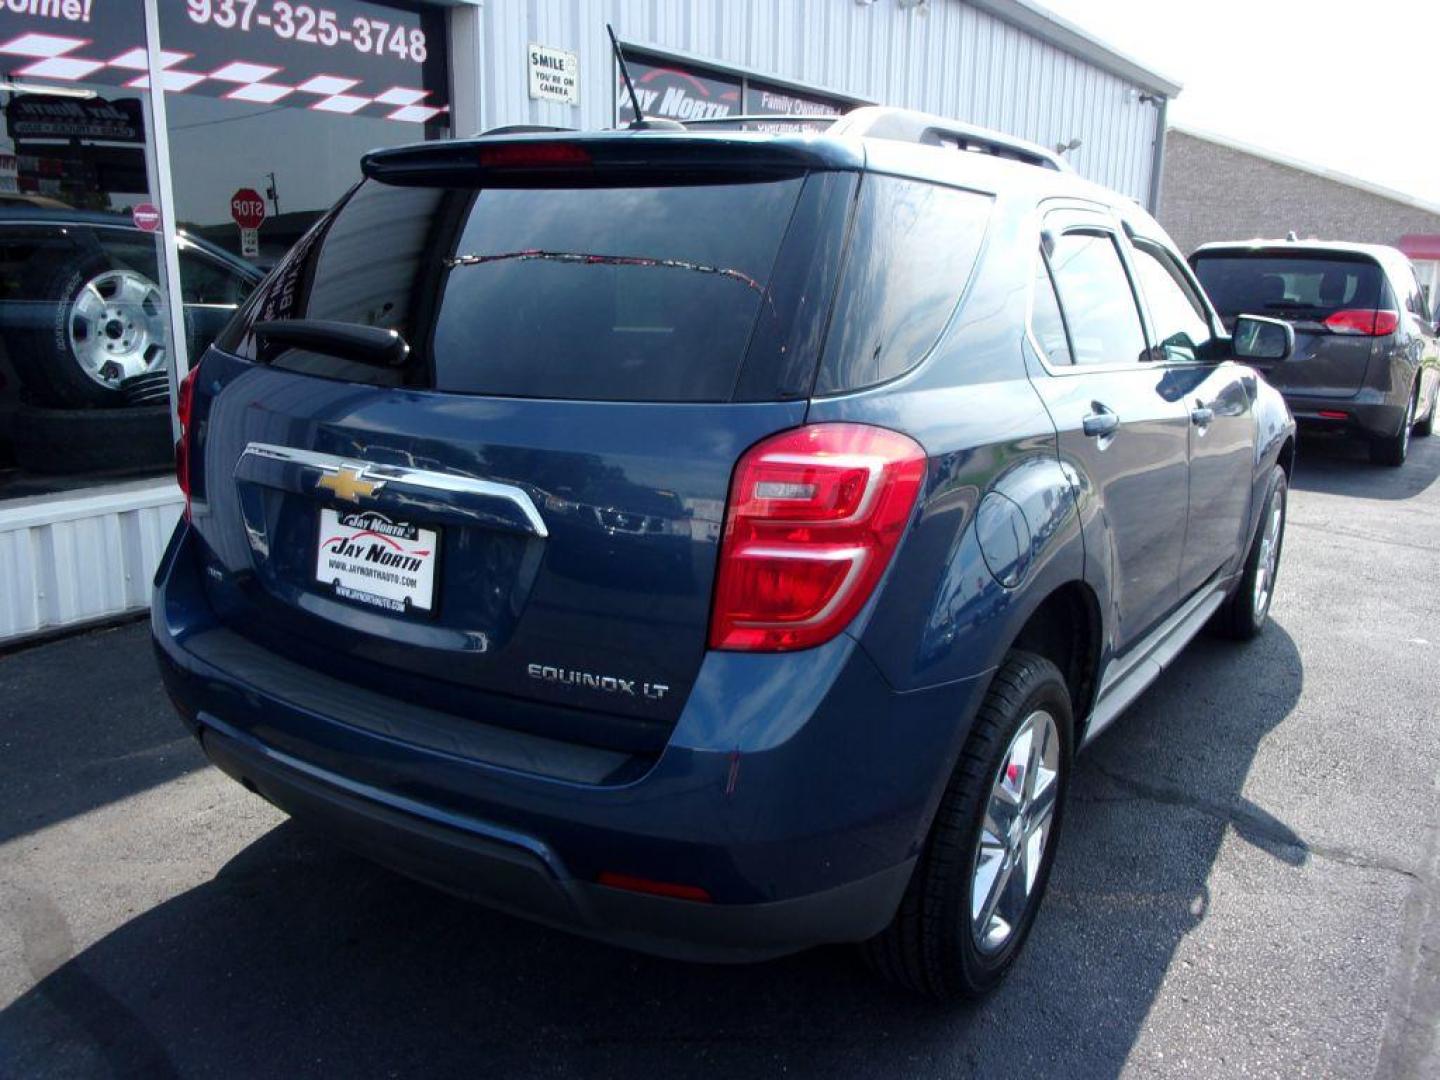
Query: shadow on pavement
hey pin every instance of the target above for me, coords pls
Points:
(1337, 465)
(84, 722)
(300, 959)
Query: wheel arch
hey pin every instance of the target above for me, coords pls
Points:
(1066, 628)
(1286, 457)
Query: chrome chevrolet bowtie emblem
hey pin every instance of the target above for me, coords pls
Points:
(349, 483)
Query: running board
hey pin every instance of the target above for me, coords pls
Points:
(1126, 677)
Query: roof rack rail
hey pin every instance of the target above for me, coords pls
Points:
(761, 118)
(908, 125)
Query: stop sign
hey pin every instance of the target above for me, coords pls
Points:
(247, 208)
(146, 217)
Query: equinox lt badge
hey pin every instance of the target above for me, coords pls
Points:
(609, 684)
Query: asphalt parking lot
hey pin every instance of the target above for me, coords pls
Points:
(1246, 886)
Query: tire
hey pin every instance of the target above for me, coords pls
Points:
(108, 326)
(69, 441)
(1246, 610)
(932, 945)
(1393, 449)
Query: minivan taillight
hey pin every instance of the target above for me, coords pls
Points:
(1367, 321)
(183, 404)
(815, 513)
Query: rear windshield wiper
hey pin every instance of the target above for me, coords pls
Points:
(348, 341)
(581, 258)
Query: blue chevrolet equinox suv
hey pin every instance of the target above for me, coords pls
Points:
(715, 542)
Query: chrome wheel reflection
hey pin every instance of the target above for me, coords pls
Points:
(116, 327)
(1015, 832)
(1269, 557)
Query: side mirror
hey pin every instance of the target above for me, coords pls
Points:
(1258, 338)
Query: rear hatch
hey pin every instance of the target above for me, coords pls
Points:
(517, 519)
(1336, 302)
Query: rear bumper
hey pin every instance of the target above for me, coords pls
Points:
(796, 790)
(516, 874)
(1368, 413)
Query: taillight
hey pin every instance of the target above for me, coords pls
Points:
(1367, 321)
(814, 516)
(183, 405)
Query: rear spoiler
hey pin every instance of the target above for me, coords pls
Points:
(658, 157)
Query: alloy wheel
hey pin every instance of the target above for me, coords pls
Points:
(116, 327)
(1015, 832)
(1269, 558)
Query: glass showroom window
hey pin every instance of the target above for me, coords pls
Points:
(83, 358)
(271, 104)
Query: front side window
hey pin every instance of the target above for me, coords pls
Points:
(1179, 322)
(1097, 300)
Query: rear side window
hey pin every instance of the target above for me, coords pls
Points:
(912, 248)
(1416, 303)
(1096, 297)
(1297, 287)
(601, 293)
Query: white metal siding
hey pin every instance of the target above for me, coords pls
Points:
(71, 560)
(955, 60)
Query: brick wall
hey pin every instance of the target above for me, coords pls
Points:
(1215, 192)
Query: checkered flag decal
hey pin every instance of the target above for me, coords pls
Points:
(71, 59)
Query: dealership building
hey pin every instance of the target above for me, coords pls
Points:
(157, 156)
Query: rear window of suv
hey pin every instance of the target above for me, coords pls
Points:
(1296, 287)
(597, 293)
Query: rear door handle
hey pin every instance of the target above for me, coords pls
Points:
(1100, 423)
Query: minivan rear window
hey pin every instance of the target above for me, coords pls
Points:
(596, 293)
(1296, 287)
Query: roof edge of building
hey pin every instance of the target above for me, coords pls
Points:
(1065, 35)
(1299, 165)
